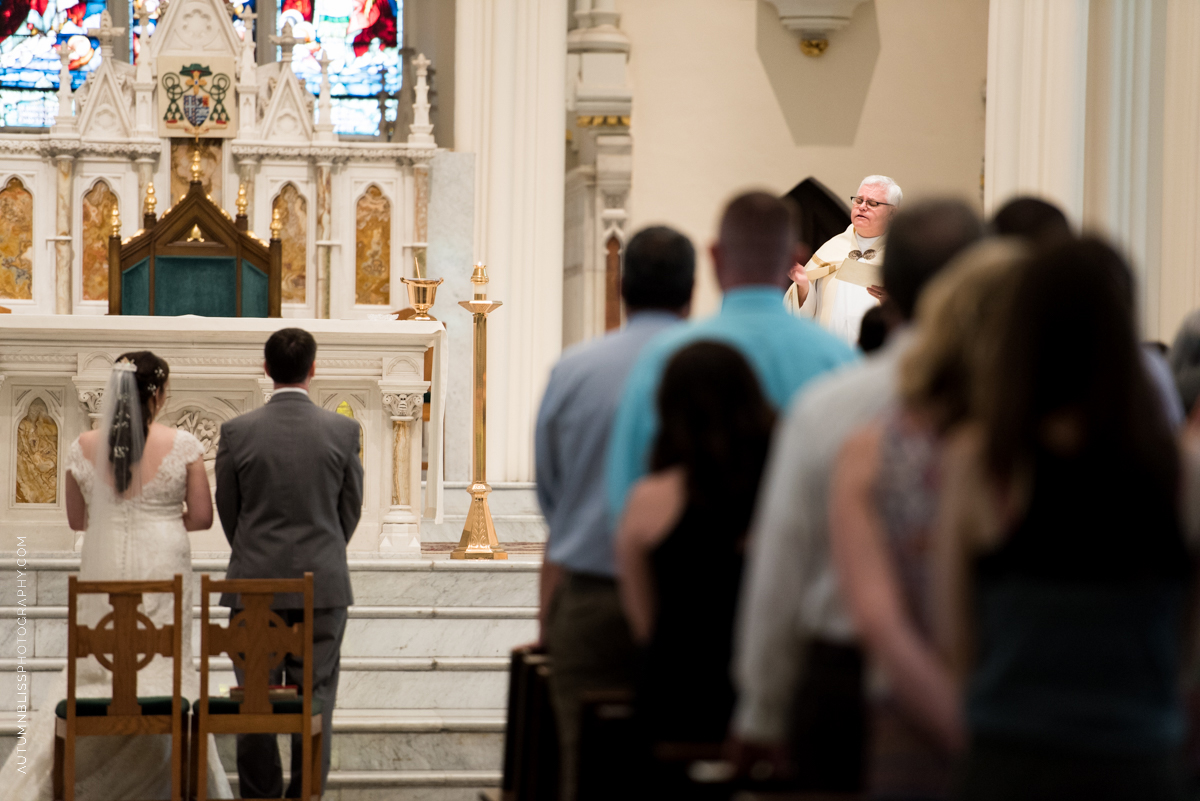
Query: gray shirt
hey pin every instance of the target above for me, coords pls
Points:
(789, 592)
(571, 439)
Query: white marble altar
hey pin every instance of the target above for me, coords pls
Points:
(53, 370)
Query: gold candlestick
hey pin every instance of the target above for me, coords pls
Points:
(479, 534)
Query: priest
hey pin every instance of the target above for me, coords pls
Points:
(816, 289)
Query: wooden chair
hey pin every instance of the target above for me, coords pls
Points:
(257, 639)
(132, 641)
(530, 735)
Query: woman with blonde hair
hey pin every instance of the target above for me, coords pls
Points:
(885, 497)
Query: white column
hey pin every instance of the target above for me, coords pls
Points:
(509, 100)
(1180, 257)
(1124, 153)
(1036, 102)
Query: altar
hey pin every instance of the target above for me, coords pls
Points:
(53, 370)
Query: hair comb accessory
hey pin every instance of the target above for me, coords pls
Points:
(160, 373)
(125, 367)
(152, 388)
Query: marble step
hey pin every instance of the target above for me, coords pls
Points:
(407, 740)
(434, 582)
(371, 631)
(365, 682)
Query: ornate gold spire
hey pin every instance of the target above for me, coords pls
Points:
(151, 201)
(242, 203)
(116, 221)
(196, 163)
(276, 222)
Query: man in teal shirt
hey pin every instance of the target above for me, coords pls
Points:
(755, 248)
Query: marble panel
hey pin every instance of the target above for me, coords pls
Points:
(52, 587)
(435, 637)
(37, 456)
(293, 209)
(373, 248)
(51, 637)
(423, 689)
(210, 167)
(7, 744)
(98, 205)
(444, 588)
(451, 750)
(13, 636)
(16, 241)
(42, 684)
(12, 592)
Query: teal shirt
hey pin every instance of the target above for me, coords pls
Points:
(786, 352)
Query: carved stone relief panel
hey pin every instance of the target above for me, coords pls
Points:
(203, 427)
(293, 208)
(373, 248)
(37, 455)
(181, 167)
(98, 205)
(16, 241)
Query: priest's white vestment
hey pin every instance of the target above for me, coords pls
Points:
(839, 306)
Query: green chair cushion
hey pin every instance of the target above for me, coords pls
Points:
(287, 706)
(98, 707)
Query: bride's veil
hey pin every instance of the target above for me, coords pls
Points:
(114, 507)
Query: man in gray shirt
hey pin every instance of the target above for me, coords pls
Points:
(582, 625)
(792, 630)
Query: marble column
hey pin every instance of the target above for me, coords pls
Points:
(510, 59)
(1124, 151)
(1180, 255)
(401, 524)
(1036, 102)
(324, 235)
(64, 167)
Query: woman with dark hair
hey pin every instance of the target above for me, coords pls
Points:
(1061, 571)
(680, 544)
(135, 488)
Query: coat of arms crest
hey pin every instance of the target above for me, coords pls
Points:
(197, 98)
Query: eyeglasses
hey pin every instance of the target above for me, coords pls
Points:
(866, 201)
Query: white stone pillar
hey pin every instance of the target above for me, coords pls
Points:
(401, 532)
(1124, 153)
(1036, 102)
(1180, 256)
(510, 58)
(64, 166)
(324, 236)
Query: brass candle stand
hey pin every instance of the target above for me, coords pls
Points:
(479, 534)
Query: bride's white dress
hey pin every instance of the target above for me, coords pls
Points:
(145, 539)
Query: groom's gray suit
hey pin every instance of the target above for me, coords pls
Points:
(289, 493)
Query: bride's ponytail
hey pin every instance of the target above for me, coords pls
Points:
(142, 376)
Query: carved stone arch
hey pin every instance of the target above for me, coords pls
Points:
(293, 207)
(37, 453)
(340, 402)
(97, 361)
(16, 237)
(96, 203)
(409, 365)
(372, 246)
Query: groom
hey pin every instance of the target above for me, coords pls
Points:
(289, 493)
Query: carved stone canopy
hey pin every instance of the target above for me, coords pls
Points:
(813, 20)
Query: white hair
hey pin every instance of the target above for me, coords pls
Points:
(894, 195)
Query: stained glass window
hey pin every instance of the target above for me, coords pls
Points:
(362, 40)
(30, 34)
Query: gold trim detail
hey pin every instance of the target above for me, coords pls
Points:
(602, 120)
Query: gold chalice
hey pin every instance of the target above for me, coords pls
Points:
(421, 293)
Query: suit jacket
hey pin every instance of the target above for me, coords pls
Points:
(289, 493)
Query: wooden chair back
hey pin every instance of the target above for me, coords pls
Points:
(124, 641)
(257, 639)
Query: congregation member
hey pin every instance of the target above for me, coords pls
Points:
(1041, 224)
(581, 622)
(797, 670)
(680, 548)
(817, 292)
(756, 246)
(1062, 572)
(1184, 358)
(290, 494)
(884, 502)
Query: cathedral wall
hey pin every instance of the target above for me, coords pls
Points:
(723, 99)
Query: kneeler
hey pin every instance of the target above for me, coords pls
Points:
(257, 640)
(132, 641)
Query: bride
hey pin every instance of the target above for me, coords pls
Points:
(136, 488)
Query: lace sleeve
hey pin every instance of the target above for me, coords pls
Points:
(80, 467)
(189, 448)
